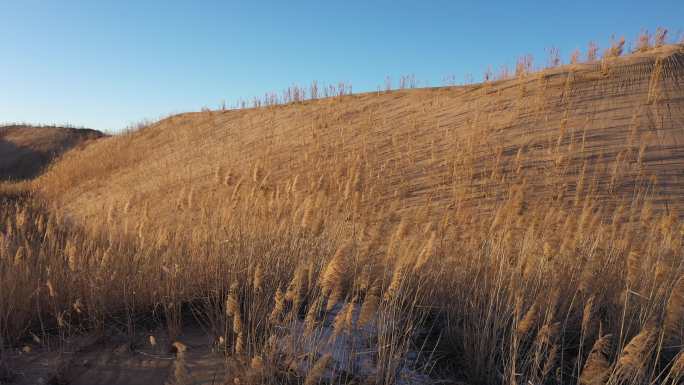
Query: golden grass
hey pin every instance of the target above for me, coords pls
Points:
(520, 231)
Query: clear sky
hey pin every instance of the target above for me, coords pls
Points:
(105, 64)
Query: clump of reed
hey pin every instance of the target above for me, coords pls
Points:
(519, 290)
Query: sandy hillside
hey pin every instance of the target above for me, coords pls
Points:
(26, 150)
(612, 130)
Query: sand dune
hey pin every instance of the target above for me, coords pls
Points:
(610, 130)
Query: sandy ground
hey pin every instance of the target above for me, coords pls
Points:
(88, 360)
(111, 360)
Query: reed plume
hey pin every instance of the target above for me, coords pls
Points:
(318, 370)
(634, 357)
(278, 307)
(232, 304)
(597, 367)
(673, 324)
(633, 268)
(369, 307)
(334, 277)
(426, 253)
(240, 343)
(296, 290)
(677, 370)
(587, 315)
(340, 321)
(257, 282)
(529, 321)
(311, 318)
(396, 282)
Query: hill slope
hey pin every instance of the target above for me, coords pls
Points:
(611, 131)
(26, 150)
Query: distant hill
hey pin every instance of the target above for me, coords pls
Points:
(26, 150)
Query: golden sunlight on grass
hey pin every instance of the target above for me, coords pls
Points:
(521, 231)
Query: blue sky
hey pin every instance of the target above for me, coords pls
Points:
(106, 64)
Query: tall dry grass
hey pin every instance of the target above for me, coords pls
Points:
(339, 275)
(547, 295)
